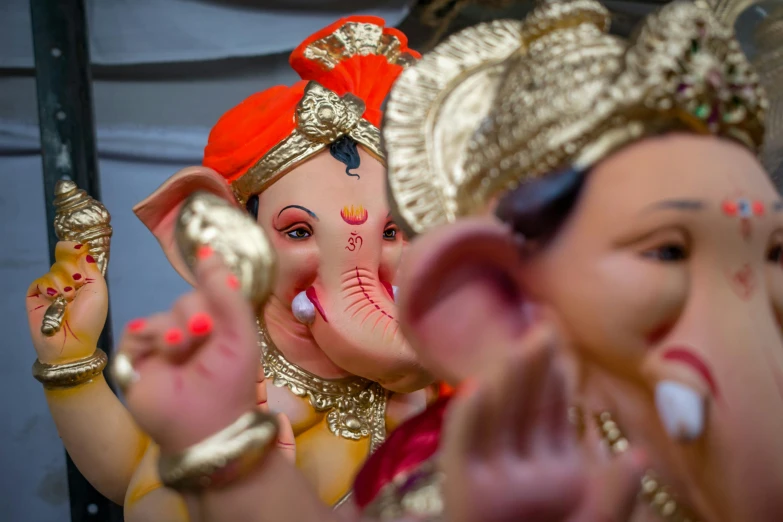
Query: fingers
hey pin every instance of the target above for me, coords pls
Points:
(220, 287)
(192, 326)
(286, 442)
(74, 267)
(556, 432)
(614, 492)
(526, 374)
(144, 336)
(77, 256)
(261, 391)
(460, 438)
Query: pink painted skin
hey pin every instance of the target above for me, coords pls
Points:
(355, 242)
(181, 370)
(629, 279)
(308, 233)
(319, 246)
(300, 213)
(313, 297)
(743, 282)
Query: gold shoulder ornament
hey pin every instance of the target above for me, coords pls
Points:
(355, 407)
(565, 94)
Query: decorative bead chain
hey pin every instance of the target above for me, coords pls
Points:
(657, 495)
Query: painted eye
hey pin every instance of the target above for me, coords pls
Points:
(299, 233)
(390, 234)
(667, 253)
(775, 254)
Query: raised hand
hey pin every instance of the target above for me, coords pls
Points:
(510, 454)
(198, 365)
(75, 276)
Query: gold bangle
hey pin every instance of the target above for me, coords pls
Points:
(68, 375)
(222, 457)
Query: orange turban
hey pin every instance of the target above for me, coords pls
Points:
(246, 133)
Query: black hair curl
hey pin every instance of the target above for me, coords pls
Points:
(537, 210)
(343, 150)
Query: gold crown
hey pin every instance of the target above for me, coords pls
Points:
(566, 94)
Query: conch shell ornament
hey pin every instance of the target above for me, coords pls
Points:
(479, 115)
(83, 219)
(207, 220)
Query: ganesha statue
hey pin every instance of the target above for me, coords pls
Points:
(597, 271)
(305, 163)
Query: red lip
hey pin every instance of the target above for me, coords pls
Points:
(313, 297)
(685, 356)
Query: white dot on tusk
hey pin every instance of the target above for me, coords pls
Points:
(303, 309)
(681, 410)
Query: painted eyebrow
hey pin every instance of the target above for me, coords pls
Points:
(309, 212)
(678, 204)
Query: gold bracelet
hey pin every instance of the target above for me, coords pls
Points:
(222, 457)
(68, 375)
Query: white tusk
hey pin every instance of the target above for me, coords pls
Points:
(303, 308)
(395, 289)
(681, 410)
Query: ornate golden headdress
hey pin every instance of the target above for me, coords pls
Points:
(347, 70)
(506, 102)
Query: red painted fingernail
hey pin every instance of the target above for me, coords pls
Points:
(200, 324)
(233, 282)
(758, 208)
(204, 252)
(730, 208)
(51, 291)
(173, 336)
(77, 247)
(90, 259)
(67, 289)
(76, 277)
(136, 325)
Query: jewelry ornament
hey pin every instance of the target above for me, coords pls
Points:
(69, 375)
(222, 457)
(567, 95)
(83, 219)
(206, 219)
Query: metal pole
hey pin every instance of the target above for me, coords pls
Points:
(62, 64)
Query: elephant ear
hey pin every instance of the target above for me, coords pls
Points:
(159, 211)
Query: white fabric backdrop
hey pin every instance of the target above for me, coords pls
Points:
(155, 31)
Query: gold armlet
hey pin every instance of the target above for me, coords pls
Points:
(222, 457)
(68, 375)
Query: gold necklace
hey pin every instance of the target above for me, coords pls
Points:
(657, 495)
(355, 407)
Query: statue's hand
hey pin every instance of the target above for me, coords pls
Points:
(509, 452)
(76, 277)
(197, 365)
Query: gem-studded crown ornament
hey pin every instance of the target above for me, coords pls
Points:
(479, 114)
(347, 70)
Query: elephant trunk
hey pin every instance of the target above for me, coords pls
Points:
(354, 322)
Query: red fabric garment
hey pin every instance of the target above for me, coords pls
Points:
(411, 444)
(247, 132)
